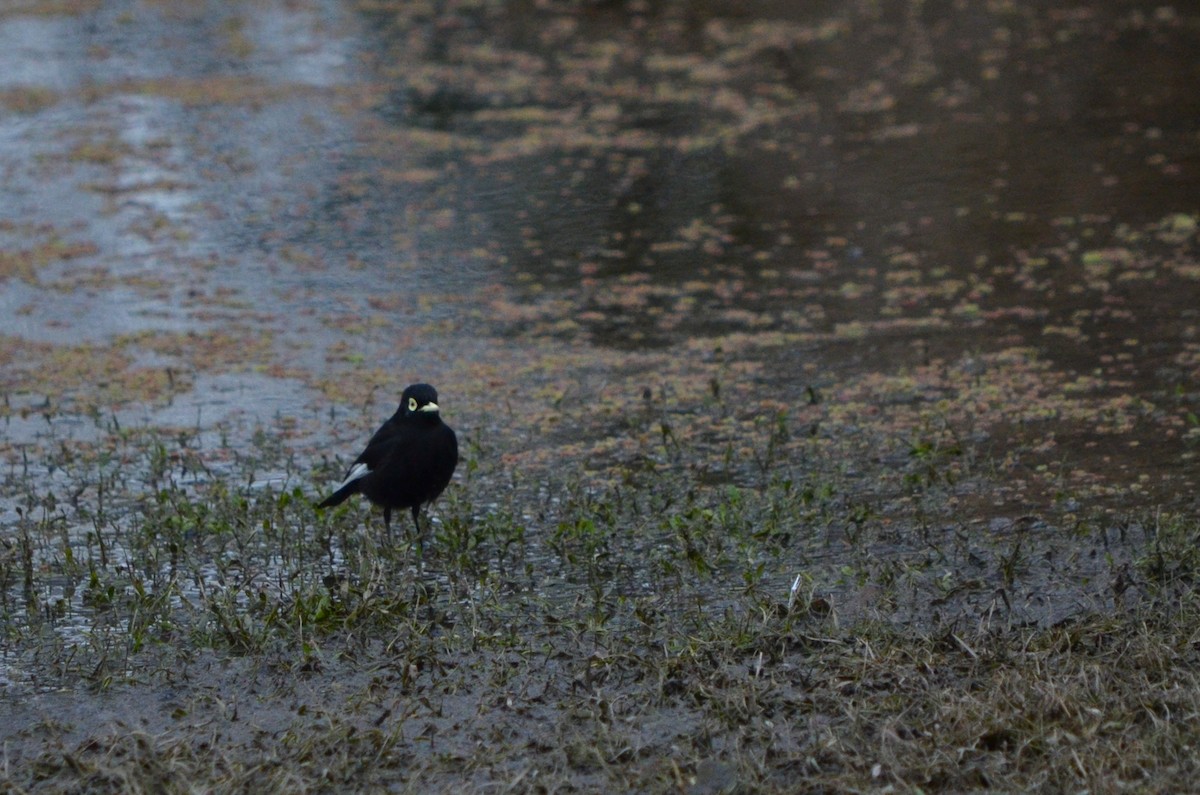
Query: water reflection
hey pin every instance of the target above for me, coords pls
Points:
(894, 161)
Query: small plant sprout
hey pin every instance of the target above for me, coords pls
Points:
(793, 592)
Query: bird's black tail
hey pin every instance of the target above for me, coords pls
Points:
(340, 496)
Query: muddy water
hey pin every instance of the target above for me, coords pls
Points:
(271, 215)
(841, 193)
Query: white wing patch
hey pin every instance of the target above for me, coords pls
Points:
(357, 471)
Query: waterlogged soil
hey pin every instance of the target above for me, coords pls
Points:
(826, 376)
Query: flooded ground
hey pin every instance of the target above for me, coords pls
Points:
(814, 366)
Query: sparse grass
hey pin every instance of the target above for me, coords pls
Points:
(653, 634)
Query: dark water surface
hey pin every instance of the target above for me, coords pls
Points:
(225, 216)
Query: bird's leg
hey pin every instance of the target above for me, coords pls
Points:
(387, 522)
(416, 509)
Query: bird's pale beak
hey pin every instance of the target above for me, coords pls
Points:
(429, 407)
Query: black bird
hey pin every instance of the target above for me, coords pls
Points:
(407, 463)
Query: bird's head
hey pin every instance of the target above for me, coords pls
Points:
(419, 400)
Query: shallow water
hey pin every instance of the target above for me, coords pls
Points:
(895, 224)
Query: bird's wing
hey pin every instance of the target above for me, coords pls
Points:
(385, 441)
(357, 471)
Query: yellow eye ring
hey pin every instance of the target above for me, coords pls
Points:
(412, 404)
